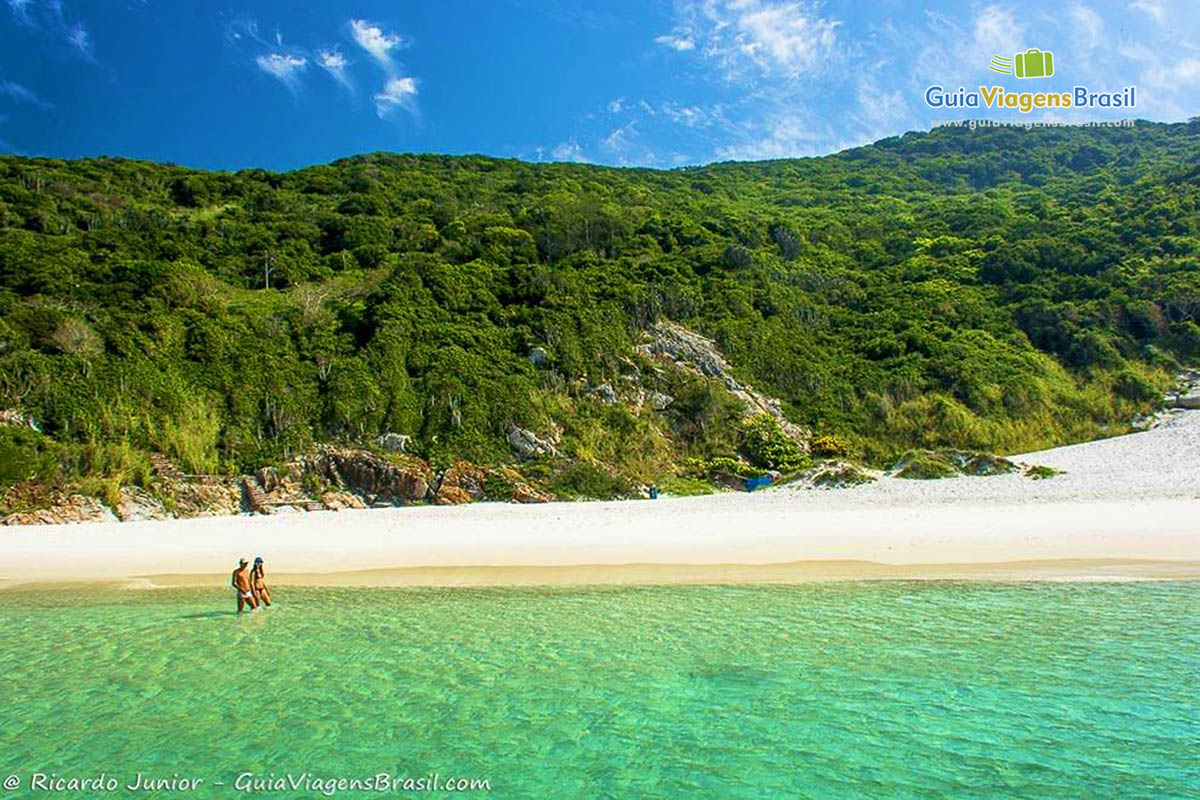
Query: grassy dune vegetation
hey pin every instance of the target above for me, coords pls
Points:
(997, 289)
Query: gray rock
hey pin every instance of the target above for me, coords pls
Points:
(659, 401)
(528, 444)
(1190, 400)
(539, 357)
(607, 394)
(394, 442)
(137, 505)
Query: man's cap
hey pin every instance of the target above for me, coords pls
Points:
(242, 561)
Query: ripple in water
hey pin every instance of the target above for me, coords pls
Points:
(818, 690)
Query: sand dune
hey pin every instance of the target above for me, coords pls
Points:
(1125, 508)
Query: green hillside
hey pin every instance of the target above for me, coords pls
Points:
(997, 289)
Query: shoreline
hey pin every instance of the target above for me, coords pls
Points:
(767, 536)
(1124, 508)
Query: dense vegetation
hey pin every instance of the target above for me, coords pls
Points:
(994, 289)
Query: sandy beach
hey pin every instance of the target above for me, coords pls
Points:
(1126, 508)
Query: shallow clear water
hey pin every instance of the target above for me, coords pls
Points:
(818, 690)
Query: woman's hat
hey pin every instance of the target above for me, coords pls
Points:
(258, 560)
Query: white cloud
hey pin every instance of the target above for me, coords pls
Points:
(396, 93)
(333, 62)
(1088, 24)
(20, 10)
(786, 134)
(680, 43)
(1183, 73)
(568, 151)
(21, 94)
(77, 37)
(1153, 8)
(689, 116)
(615, 106)
(377, 43)
(283, 66)
(625, 147)
(242, 28)
(883, 111)
(997, 31)
(48, 17)
(332, 59)
(787, 38)
(620, 139)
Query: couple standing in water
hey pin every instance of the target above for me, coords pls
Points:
(250, 585)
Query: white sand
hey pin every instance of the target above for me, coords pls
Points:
(1125, 509)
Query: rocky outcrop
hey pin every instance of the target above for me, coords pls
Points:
(206, 496)
(254, 498)
(71, 509)
(505, 483)
(462, 483)
(336, 478)
(451, 496)
(374, 478)
(137, 505)
(524, 493)
(529, 445)
(539, 357)
(687, 349)
(339, 501)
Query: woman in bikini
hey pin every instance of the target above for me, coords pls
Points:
(258, 579)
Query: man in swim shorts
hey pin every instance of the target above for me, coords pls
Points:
(241, 586)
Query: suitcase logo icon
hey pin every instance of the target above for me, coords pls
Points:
(1033, 63)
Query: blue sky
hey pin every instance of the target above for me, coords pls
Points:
(284, 84)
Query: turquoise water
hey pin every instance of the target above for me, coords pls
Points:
(819, 690)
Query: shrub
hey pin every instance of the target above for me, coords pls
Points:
(829, 445)
(767, 446)
(841, 475)
(682, 486)
(583, 480)
(26, 455)
(1040, 473)
(946, 463)
(720, 466)
(1133, 386)
(924, 465)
